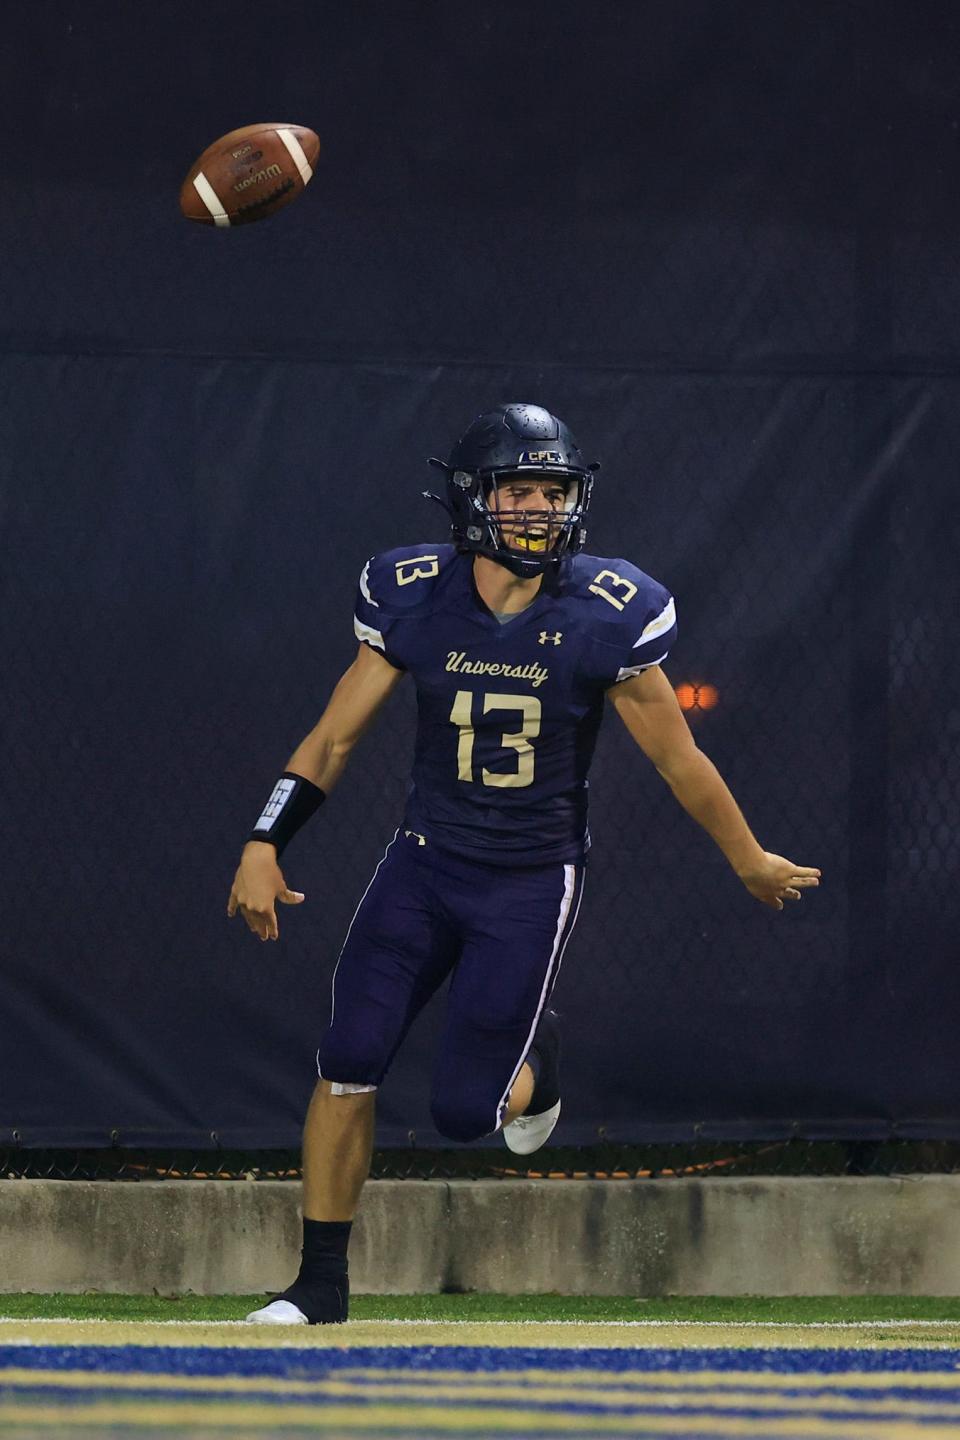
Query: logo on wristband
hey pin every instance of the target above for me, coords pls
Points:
(281, 794)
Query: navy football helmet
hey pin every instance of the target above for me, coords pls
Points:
(528, 442)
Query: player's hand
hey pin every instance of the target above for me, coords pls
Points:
(774, 879)
(257, 886)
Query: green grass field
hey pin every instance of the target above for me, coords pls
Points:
(808, 1310)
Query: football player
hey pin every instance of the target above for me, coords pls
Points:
(514, 639)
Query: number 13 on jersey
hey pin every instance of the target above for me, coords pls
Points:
(525, 706)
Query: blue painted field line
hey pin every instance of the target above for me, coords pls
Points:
(313, 1363)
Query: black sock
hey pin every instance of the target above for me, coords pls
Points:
(324, 1253)
(322, 1290)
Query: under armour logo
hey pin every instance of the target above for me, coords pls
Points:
(555, 637)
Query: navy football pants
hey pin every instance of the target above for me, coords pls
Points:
(427, 914)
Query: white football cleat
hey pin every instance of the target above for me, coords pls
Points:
(278, 1312)
(528, 1132)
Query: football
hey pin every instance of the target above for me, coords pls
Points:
(249, 174)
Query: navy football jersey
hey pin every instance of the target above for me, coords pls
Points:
(508, 712)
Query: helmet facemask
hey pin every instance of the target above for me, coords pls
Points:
(533, 537)
(526, 541)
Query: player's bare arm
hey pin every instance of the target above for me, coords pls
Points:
(649, 709)
(320, 758)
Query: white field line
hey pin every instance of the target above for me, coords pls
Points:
(559, 1324)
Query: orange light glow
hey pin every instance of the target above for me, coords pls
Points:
(697, 697)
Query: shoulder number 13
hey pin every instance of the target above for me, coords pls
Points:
(461, 715)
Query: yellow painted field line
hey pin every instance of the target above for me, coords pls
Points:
(606, 1397)
(549, 1335)
(345, 1338)
(426, 1420)
(740, 1379)
(610, 1398)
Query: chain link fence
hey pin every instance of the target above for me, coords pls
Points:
(597, 1162)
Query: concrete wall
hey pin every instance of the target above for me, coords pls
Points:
(647, 1237)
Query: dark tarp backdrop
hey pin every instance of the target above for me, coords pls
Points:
(721, 242)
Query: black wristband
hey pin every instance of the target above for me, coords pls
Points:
(293, 801)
